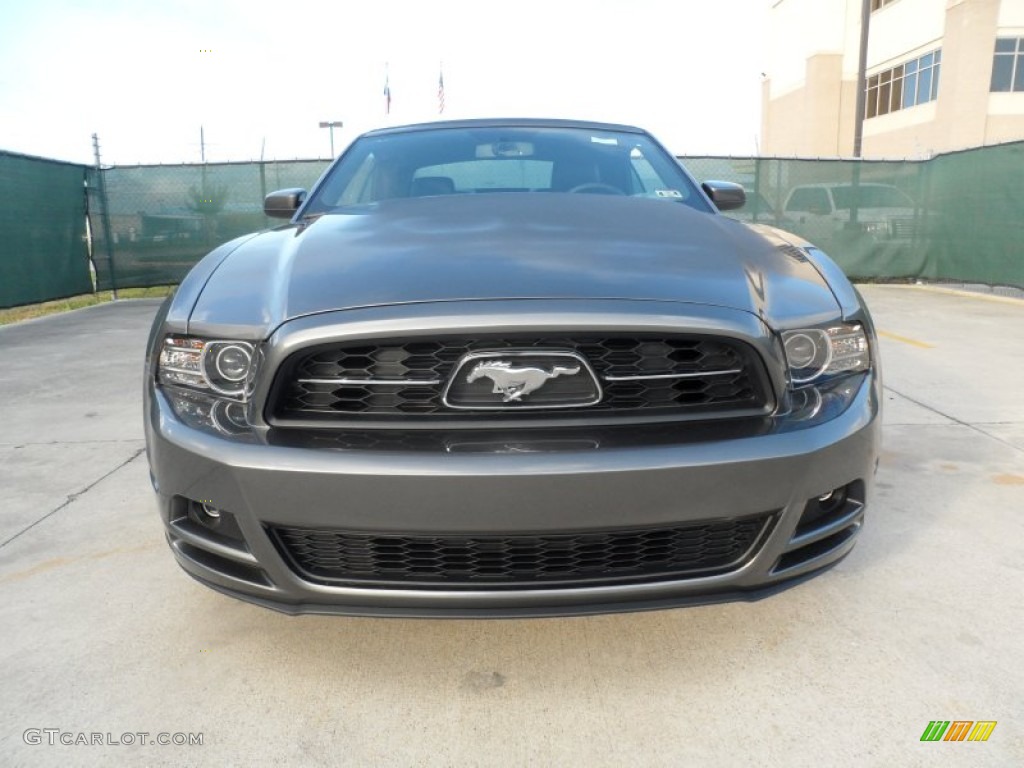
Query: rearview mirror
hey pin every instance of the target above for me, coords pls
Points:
(725, 195)
(283, 203)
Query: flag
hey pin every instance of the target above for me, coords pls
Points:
(440, 92)
(387, 93)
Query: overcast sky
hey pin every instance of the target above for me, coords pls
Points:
(145, 76)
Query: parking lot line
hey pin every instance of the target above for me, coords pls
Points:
(906, 340)
(969, 294)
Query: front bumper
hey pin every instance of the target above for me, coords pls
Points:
(567, 487)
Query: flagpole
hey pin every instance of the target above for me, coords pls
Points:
(440, 88)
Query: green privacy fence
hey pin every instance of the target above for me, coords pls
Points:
(43, 247)
(954, 217)
(162, 219)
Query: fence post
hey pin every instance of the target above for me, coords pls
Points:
(757, 189)
(104, 215)
(90, 237)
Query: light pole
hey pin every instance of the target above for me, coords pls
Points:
(332, 124)
(862, 64)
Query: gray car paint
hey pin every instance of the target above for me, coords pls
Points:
(506, 246)
(541, 262)
(357, 490)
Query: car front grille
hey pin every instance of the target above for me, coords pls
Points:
(492, 560)
(638, 375)
(904, 229)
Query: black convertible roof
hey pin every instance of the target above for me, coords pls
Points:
(515, 122)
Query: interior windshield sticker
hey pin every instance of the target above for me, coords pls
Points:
(612, 142)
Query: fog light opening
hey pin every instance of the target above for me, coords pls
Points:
(832, 501)
(205, 519)
(823, 507)
(205, 514)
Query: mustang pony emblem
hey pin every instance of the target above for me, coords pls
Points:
(514, 383)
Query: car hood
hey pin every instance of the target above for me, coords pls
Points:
(506, 246)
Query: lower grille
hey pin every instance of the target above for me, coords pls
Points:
(488, 561)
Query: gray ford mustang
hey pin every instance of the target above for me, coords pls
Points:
(510, 368)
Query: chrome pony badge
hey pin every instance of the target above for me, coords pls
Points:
(514, 383)
(517, 379)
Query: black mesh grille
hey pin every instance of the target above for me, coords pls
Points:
(514, 560)
(718, 375)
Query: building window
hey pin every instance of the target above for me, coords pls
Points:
(1008, 65)
(876, 4)
(913, 82)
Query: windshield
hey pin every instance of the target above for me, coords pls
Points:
(870, 196)
(480, 160)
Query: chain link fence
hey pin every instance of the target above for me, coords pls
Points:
(162, 219)
(956, 217)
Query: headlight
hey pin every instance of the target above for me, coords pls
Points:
(815, 353)
(219, 366)
(214, 414)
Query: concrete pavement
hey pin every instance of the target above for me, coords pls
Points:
(100, 632)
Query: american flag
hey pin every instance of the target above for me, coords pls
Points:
(440, 92)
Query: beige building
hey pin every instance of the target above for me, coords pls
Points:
(941, 75)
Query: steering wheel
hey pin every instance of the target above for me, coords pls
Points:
(598, 187)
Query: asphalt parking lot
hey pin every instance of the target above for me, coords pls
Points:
(100, 632)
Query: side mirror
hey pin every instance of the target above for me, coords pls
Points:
(283, 203)
(725, 195)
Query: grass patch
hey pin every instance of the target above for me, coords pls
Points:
(28, 311)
